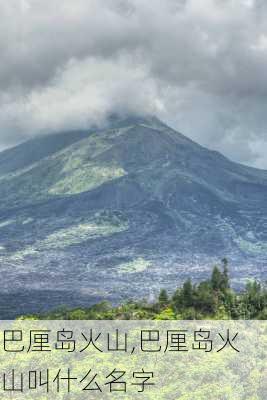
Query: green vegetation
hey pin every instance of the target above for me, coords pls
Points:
(134, 266)
(210, 299)
(101, 224)
(72, 170)
(84, 178)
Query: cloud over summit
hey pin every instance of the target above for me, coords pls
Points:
(199, 65)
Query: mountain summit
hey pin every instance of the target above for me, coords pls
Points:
(122, 210)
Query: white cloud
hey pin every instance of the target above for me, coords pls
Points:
(199, 65)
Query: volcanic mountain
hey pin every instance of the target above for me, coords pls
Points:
(120, 211)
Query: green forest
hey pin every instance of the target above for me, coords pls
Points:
(210, 299)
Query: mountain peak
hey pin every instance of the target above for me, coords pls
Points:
(116, 120)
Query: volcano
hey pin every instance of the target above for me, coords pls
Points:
(121, 210)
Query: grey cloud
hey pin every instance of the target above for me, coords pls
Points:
(199, 65)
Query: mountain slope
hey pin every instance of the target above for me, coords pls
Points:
(85, 213)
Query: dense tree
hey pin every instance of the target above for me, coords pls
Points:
(206, 299)
(188, 294)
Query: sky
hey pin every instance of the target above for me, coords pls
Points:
(201, 66)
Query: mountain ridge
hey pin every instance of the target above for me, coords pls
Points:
(72, 136)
